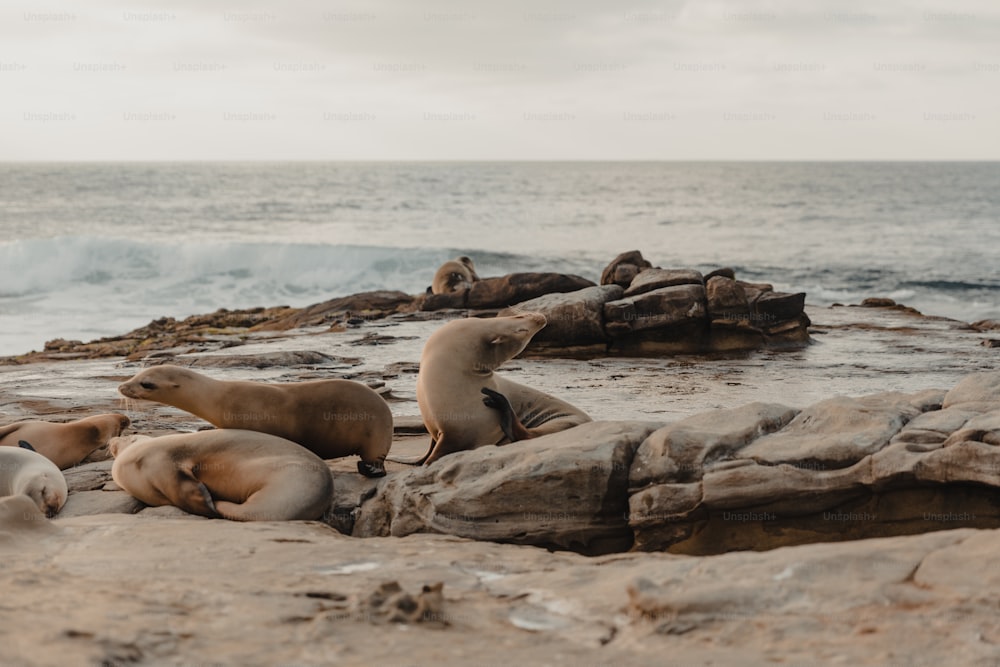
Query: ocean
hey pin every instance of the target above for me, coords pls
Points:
(97, 249)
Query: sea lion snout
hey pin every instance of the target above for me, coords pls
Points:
(536, 319)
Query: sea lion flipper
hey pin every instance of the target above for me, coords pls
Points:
(371, 469)
(413, 460)
(194, 497)
(23, 444)
(497, 401)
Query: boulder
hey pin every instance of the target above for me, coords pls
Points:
(772, 307)
(724, 272)
(837, 432)
(975, 391)
(83, 503)
(680, 451)
(573, 318)
(844, 468)
(654, 279)
(726, 299)
(624, 268)
(566, 490)
(661, 308)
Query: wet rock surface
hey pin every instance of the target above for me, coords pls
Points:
(668, 450)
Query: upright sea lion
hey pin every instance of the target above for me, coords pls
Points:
(26, 472)
(224, 473)
(65, 444)
(454, 275)
(331, 418)
(456, 372)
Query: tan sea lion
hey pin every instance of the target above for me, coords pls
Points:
(25, 472)
(454, 275)
(65, 444)
(224, 473)
(456, 372)
(331, 418)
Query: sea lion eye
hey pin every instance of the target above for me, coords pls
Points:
(147, 385)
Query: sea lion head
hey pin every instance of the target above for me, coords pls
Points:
(106, 426)
(119, 444)
(47, 492)
(154, 384)
(486, 344)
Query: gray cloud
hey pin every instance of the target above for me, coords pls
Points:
(386, 79)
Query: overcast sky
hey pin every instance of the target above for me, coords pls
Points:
(396, 79)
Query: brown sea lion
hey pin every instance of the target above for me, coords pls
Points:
(65, 444)
(465, 405)
(332, 418)
(224, 473)
(454, 275)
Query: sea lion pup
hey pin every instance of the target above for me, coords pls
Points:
(456, 371)
(331, 418)
(224, 473)
(65, 444)
(24, 472)
(454, 275)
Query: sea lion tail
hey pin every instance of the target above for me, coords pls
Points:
(413, 460)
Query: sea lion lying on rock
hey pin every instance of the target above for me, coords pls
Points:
(65, 444)
(224, 473)
(465, 405)
(331, 418)
(25, 472)
(453, 276)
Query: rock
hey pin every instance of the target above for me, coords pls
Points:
(773, 307)
(366, 305)
(660, 308)
(850, 603)
(979, 390)
(624, 268)
(726, 299)
(390, 603)
(654, 279)
(986, 325)
(837, 432)
(877, 302)
(724, 272)
(83, 503)
(566, 490)
(284, 359)
(680, 451)
(88, 476)
(844, 468)
(572, 318)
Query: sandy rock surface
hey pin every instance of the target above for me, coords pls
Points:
(112, 582)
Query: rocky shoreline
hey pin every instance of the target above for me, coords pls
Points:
(883, 426)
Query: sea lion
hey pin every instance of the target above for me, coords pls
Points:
(25, 472)
(453, 276)
(331, 418)
(65, 444)
(465, 405)
(224, 473)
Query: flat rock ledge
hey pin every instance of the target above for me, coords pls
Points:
(755, 477)
(118, 589)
